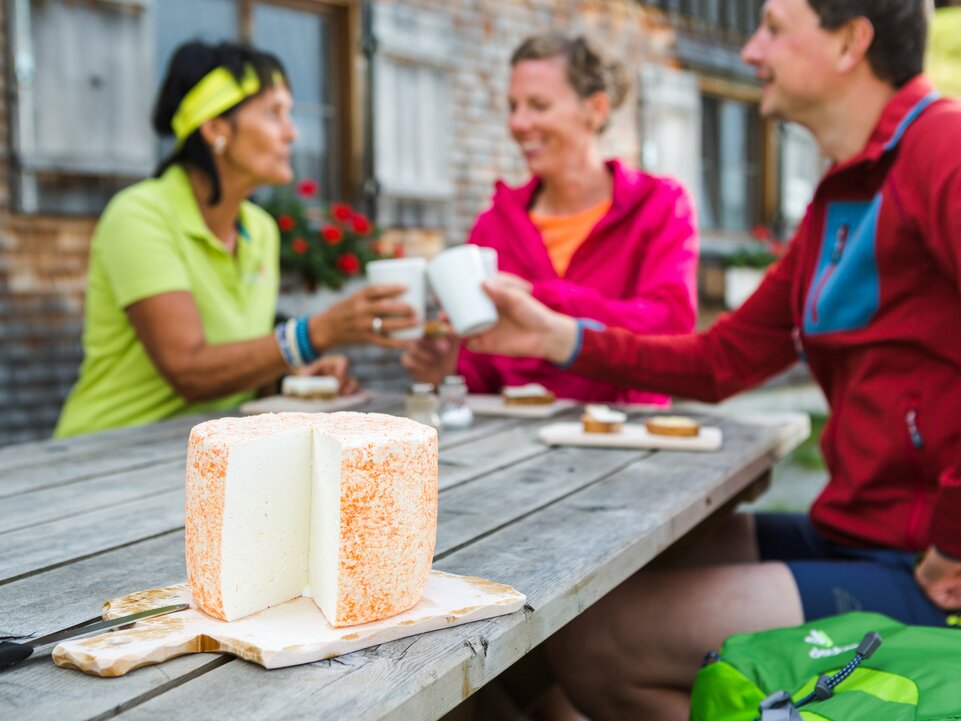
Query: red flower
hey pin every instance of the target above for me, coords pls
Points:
(307, 188)
(360, 224)
(286, 223)
(348, 263)
(398, 251)
(332, 235)
(299, 246)
(761, 232)
(341, 211)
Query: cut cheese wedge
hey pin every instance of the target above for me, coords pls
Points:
(338, 506)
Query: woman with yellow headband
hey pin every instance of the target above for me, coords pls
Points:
(184, 270)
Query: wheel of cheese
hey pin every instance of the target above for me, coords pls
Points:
(338, 506)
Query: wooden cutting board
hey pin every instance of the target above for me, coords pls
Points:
(494, 405)
(286, 635)
(289, 404)
(630, 436)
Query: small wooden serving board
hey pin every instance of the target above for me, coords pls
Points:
(630, 436)
(292, 633)
(290, 404)
(494, 405)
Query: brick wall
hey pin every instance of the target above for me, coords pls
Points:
(487, 33)
(42, 266)
(43, 259)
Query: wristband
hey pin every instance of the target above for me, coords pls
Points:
(290, 330)
(280, 335)
(582, 323)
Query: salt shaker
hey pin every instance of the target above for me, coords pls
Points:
(455, 414)
(421, 405)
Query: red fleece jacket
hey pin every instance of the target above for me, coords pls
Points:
(869, 293)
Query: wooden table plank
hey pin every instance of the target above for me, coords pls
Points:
(33, 549)
(51, 453)
(100, 492)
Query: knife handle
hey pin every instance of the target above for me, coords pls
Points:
(13, 653)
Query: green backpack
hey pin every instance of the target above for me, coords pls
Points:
(915, 675)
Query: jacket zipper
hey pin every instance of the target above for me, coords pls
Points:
(840, 242)
(917, 442)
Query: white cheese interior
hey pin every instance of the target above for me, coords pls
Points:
(266, 526)
(325, 527)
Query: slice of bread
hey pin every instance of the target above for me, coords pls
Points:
(532, 394)
(672, 426)
(602, 419)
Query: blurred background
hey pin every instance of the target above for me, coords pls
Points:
(401, 107)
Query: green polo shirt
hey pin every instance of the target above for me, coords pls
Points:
(152, 239)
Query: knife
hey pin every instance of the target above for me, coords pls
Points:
(12, 653)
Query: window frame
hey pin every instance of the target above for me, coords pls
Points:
(769, 180)
(344, 18)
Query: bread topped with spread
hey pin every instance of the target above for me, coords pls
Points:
(602, 419)
(672, 426)
(530, 394)
(311, 387)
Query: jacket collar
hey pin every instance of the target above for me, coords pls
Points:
(902, 110)
(629, 188)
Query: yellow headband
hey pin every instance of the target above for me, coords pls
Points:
(216, 92)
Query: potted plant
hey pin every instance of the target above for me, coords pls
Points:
(322, 248)
(745, 268)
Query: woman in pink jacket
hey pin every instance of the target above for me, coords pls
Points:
(591, 238)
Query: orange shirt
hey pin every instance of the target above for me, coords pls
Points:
(563, 234)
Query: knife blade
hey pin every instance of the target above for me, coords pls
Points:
(12, 653)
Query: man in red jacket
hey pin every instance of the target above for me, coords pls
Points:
(869, 295)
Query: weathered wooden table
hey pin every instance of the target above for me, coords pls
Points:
(93, 518)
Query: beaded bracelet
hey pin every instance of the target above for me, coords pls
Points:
(307, 351)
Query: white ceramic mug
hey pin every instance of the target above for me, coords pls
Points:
(409, 272)
(490, 260)
(456, 276)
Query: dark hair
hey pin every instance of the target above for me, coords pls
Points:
(900, 32)
(587, 70)
(189, 64)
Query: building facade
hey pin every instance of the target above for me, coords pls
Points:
(401, 107)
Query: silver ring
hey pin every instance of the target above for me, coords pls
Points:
(376, 324)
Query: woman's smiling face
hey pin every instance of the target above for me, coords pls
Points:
(553, 126)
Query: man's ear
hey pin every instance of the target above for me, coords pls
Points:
(856, 37)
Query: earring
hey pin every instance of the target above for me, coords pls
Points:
(220, 143)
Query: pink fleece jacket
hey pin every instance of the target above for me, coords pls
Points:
(636, 270)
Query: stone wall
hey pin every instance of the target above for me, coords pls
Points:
(43, 259)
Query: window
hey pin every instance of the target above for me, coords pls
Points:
(86, 74)
(78, 113)
(732, 142)
(412, 115)
(739, 16)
